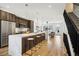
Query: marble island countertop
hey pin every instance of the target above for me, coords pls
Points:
(15, 43)
(26, 35)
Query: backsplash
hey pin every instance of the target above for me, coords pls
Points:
(19, 30)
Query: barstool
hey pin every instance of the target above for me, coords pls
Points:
(43, 37)
(30, 45)
(38, 39)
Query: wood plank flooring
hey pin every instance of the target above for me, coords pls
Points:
(43, 50)
(57, 48)
(4, 51)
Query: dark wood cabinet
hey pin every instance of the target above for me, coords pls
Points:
(29, 25)
(21, 21)
(3, 15)
(17, 22)
(24, 44)
(27, 45)
(13, 18)
(8, 17)
(25, 23)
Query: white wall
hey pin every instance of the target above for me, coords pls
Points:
(69, 7)
(55, 17)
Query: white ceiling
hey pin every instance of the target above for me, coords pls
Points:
(35, 10)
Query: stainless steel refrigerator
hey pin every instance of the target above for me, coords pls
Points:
(7, 28)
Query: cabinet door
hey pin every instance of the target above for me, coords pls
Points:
(8, 16)
(21, 21)
(26, 24)
(17, 22)
(29, 24)
(13, 17)
(3, 15)
(24, 45)
(32, 26)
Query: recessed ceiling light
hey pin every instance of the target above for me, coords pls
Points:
(26, 4)
(50, 6)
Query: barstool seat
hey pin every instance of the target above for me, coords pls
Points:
(30, 39)
(38, 39)
(37, 36)
(30, 45)
(30, 42)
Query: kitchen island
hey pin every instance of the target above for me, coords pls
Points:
(18, 42)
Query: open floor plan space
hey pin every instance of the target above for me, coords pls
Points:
(39, 29)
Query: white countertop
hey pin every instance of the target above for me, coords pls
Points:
(25, 35)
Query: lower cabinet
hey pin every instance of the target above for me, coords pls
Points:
(26, 45)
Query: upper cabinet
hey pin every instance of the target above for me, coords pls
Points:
(7, 16)
(20, 22)
(10, 17)
(13, 18)
(3, 15)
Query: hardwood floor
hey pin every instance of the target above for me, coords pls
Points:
(44, 49)
(56, 48)
(4, 51)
